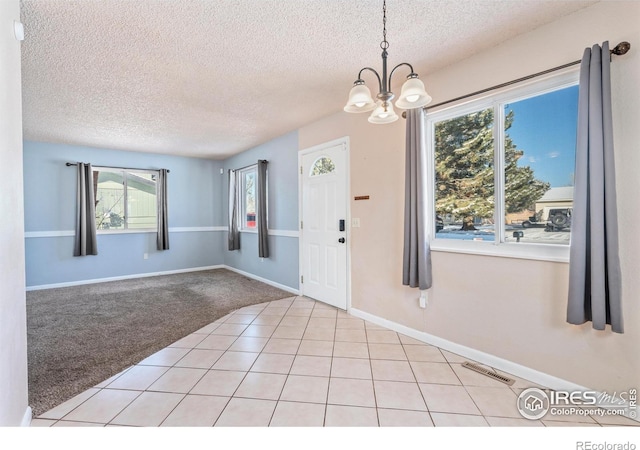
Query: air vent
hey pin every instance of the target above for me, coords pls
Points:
(488, 373)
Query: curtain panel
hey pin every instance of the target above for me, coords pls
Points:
(594, 268)
(85, 237)
(162, 239)
(261, 209)
(234, 235)
(416, 268)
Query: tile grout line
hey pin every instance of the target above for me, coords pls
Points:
(187, 393)
(232, 396)
(287, 375)
(417, 383)
(326, 403)
(373, 383)
(333, 352)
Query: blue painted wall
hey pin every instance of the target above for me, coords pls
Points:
(194, 191)
(282, 264)
(198, 195)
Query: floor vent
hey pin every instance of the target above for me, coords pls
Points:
(488, 373)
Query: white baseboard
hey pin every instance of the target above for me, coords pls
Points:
(264, 280)
(490, 360)
(510, 367)
(122, 277)
(167, 272)
(26, 418)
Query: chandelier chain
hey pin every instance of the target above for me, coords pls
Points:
(384, 44)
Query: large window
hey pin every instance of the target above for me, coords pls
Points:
(125, 199)
(248, 179)
(503, 166)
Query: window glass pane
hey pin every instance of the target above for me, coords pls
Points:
(250, 199)
(109, 192)
(141, 200)
(464, 177)
(321, 166)
(540, 146)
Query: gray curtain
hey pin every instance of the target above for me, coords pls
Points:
(594, 269)
(261, 209)
(416, 268)
(85, 240)
(163, 222)
(234, 235)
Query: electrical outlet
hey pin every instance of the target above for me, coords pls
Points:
(145, 256)
(424, 299)
(355, 222)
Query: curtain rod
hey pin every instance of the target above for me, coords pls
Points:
(620, 49)
(250, 165)
(114, 167)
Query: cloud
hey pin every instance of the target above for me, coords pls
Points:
(553, 154)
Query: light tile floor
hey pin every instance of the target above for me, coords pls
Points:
(297, 362)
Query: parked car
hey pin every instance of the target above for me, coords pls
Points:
(559, 219)
(534, 221)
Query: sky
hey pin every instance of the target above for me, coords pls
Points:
(544, 127)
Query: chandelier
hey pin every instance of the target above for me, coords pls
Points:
(413, 95)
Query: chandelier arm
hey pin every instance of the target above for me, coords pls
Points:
(398, 66)
(376, 74)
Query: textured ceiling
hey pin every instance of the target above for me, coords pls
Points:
(213, 78)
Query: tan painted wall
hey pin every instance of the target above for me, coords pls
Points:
(13, 331)
(511, 308)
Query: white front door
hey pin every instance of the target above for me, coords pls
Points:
(324, 222)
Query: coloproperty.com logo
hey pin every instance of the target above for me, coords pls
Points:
(534, 403)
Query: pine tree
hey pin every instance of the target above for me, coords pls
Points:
(464, 169)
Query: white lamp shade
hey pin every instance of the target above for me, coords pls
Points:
(383, 115)
(413, 95)
(359, 100)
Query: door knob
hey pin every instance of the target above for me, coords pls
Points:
(341, 240)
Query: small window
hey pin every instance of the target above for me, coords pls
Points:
(125, 200)
(248, 179)
(322, 166)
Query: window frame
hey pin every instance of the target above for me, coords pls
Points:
(242, 195)
(126, 229)
(495, 100)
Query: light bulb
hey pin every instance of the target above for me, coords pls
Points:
(413, 98)
(361, 104)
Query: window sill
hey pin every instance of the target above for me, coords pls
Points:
(538, 252)
(130, 231)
